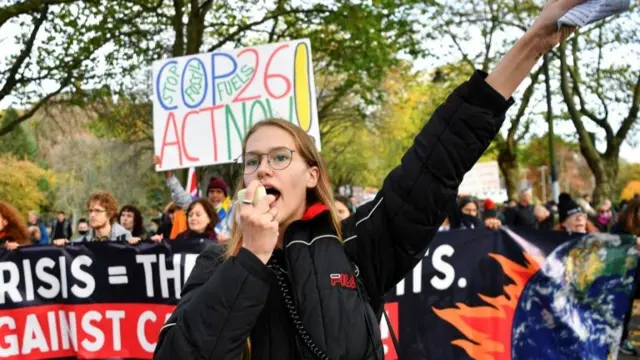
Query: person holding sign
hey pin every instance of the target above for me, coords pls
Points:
(295, 282)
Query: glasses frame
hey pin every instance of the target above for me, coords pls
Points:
(240, 160)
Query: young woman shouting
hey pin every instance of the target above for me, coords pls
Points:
(287, 285)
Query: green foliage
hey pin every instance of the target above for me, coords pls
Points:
(535, 152)
(627, 174)
(363, 153)
(21, 144)
(23, 183)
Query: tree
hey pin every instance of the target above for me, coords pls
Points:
(21, 144)
(628, 173)
(574, 178)
(61, 45)
(85, 164)
(632, 189)
(353, 45)
(496, 25)
(23, 184)
(599, 93)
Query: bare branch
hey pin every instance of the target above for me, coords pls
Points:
(249, 26)
(632, 116)
(465, 58)
(276, 22)
(27, 7)
(7, 128)
(525, 129)
(588, 148)
(11, 82)
(526, 99)
(575, 76)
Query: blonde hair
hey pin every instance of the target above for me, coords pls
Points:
(321, 193)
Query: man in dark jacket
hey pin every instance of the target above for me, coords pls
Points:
(61, 227)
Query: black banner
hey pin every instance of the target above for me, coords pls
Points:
(92, 301)
(477, 294)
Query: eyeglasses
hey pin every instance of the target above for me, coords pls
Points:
(96, 211)
(277, 158)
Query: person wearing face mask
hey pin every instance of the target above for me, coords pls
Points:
(82, 228)
(605, 218)
(296, 282)
(466, 216)
(13, 230)
(201, 220)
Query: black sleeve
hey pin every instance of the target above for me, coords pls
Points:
(69, 232)
(390, 235)
(219, 306)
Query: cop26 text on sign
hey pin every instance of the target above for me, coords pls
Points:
(204, 104)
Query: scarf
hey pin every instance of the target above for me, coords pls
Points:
(604, 219)
(223, 208)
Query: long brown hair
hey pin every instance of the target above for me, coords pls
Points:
(16, 227)
(629, 217)
(321, 193)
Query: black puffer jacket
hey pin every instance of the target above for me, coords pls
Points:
(224, 302)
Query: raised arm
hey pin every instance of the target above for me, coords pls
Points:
(178, 194)
(390, 235)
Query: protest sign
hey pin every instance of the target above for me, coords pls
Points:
(204, 104)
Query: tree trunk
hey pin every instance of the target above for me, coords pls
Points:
(510, 169)
(605, 174)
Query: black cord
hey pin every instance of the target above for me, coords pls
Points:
(293, 313)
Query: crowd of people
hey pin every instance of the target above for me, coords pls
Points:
(183, 218)
(571, 215)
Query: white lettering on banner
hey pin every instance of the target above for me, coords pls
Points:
(142, 338)
(85, 277)
(92, 330)
(63, 276)
(445, 268)
(68, 330)
(115, 317)
(53, 330)
(440, 265)
(11, 286)
(33, 336)
(400, 288)
(146, 261)
(12, 348)
(178, 274)
(417, 278)
(52, 274)
(48, 278)
(28, 279)
(173, 274)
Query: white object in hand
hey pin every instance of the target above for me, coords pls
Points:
(259, 193)
(591, 11)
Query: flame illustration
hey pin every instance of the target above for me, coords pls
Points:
(488, 328)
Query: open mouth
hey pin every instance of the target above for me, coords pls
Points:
(273, 191)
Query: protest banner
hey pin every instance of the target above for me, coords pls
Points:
(477, 294)
(204, 104)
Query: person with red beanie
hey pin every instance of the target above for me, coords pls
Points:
(217, 194)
